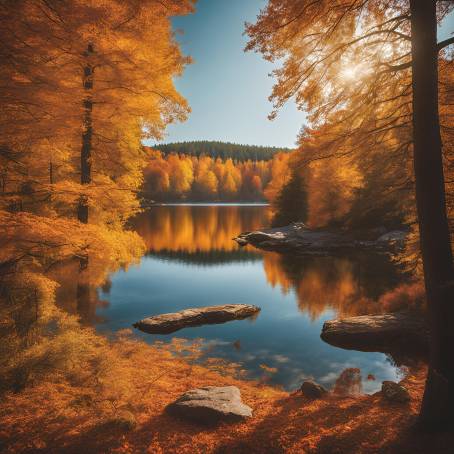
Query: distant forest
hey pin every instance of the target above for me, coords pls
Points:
(183, 177)
(223, 150)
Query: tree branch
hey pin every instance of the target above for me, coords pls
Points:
(445, 43)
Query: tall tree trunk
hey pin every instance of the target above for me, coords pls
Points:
(83, 286)
(85, 154)
(438, 401)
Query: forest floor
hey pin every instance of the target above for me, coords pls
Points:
(71, 412)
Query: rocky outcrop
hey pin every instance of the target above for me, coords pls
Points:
(298, 238)
(211, 405)
(395, 237)
(169, 323)
(394, 392)
(387, 332)
(312, 390)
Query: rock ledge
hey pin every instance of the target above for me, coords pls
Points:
(302, 240)
(377, 332)
(169, 323)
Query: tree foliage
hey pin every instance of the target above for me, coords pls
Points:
(223, 150)
(83, 82)
(178, 177)
(368, 73)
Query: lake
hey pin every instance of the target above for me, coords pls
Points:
(191, 261)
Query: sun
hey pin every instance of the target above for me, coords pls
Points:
(350, 73)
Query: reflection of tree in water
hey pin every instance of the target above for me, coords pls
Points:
(192, 229)
(77, 292)
(349, 382)
(349, 285)
(208, 258)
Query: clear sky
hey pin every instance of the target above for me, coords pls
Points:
(227, 88)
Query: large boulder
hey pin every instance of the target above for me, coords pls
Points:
(169, 323)
(312, 390)
(387, 332)
(211, 405)
(394, 392)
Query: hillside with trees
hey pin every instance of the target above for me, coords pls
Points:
(183, 177)
(223, 150)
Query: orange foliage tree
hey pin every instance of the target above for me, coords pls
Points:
(182, 177)
(369, 70)
(82, 83)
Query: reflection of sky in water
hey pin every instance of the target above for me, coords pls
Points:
(284, 336)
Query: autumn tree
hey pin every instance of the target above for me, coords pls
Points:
(370, 70)
(181, 174)
(184, 177)
(83, 82)
(279, 176)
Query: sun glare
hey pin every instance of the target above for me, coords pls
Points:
(350, 73)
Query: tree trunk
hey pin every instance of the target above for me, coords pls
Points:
(85, 163)
(85, 155)
(438, 402)
(51, 181)
(51, 172)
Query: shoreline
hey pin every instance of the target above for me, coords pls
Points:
(209, 204)
(299, 239)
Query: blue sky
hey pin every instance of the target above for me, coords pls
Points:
(228, 89)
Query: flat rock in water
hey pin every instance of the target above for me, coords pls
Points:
(385, 332)
(169, 323)
(211, 405)
(302, 240)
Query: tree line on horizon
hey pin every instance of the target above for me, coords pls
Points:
(175, 177)
(223, 150)
(328, 193)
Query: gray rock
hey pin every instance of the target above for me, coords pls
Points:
(312, 390)
(298, 238)
(241, 241)
(169, 323)
(395, 236)
(377, 332)
(211, 405)
(394, 392)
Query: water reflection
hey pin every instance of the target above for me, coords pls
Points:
(192, 261)
(75, 294)
(202, 235)
(349, 285)
(349, 382)
(195, 229)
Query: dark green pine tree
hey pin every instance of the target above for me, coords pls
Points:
(291, 204)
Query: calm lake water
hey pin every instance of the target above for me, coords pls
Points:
(192, 261)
